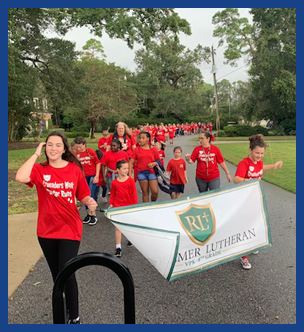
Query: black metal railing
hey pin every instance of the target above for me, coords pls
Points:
(93, 258)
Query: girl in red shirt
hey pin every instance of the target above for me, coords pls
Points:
(252, 167)
(59, 181)
(109, 161)
(207, 157)
(123, 193)
(161, 153)
(145, 157)
(91, 167)
(178, 173)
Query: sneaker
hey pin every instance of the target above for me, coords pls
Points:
(93, 220)
(256, 252)
(129, 244)
(86, 219)
(74, 321)
(245, 264)
(104, 199)
(118, 252)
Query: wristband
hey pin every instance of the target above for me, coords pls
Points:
(36, 154)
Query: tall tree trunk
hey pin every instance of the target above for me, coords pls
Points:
(92, 127)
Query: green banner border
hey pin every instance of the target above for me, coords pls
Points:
(124, 209)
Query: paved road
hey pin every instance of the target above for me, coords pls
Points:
(226, 294)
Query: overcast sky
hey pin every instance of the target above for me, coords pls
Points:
(202, 28)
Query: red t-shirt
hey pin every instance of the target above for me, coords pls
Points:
(102, 141)
(160, 135)
(215, 157)
(123, 193)
(127, 146)
(162, 156)
(144, 157)
(171, 132)
(177, 169)
(58, 216)
(249, 170)
(88, 161)
(110, 158)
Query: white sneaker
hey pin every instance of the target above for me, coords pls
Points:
(255, 252)
(104, 199)
(245, 264)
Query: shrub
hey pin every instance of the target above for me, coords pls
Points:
(221, 133)
(261, 130)
(230, 131)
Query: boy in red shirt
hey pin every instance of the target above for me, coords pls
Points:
(161, 153)
(178, 173)
(103, 141)
(91, 167)
(123, 193)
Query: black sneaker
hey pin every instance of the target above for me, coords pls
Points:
(129, 244)
(93, 220)
(74, 321)
(86, 219)
(118, 252)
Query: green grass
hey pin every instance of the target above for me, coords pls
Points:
(285, 151)
(267, 138)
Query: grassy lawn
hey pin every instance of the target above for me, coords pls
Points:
(285, 151)
(267, 138)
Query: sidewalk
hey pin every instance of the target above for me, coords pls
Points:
(23, 248)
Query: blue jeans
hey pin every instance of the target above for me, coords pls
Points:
(146, 175)
(92, 187)
(110, 179)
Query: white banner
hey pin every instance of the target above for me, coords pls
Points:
(185, 236)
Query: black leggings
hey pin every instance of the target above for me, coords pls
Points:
(57, 252)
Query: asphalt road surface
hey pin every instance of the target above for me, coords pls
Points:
(226, 294)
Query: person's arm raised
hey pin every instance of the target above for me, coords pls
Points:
(24, 172)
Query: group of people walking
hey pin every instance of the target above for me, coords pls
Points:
(78, 172)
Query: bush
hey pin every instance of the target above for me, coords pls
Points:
(288, 125)
(261, 130)
(74, 134)
(221, 133)
(230, 131)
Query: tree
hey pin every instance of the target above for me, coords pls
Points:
(270, 45)
(168, 79)
(53, 62)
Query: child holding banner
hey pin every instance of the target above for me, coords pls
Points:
(178, 173)
(252, 167)
(123, 193)
(58, 181)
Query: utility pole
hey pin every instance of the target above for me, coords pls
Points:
(215, 93)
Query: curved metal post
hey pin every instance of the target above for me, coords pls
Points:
(93, 258)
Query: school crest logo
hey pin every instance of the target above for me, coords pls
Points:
(47, 177)
(251, 168)
(198, 221)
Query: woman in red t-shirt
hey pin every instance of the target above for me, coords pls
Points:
(252, 167)
(59, 181)
(207, 157)
(123, 134)
(91, 167)
(145, 157)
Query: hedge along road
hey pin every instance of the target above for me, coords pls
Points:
(225, 294)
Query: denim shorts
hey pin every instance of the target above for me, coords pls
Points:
(146, 175)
